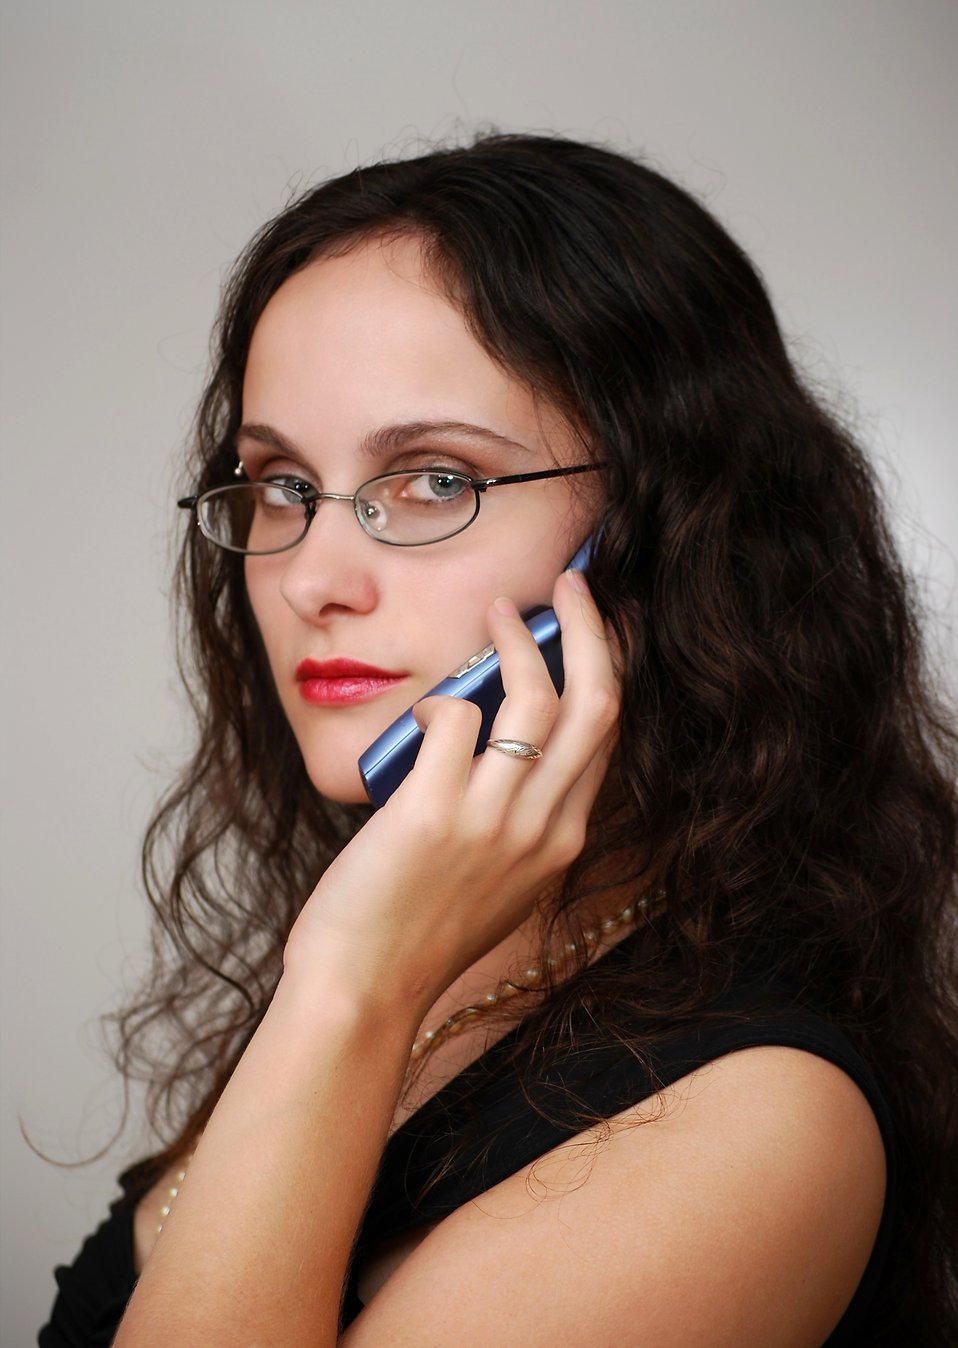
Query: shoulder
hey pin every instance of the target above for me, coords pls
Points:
(738, 1206)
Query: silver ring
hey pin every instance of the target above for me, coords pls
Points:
(516, 748)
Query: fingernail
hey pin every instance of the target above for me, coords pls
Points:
(577, 581)
(506, 607)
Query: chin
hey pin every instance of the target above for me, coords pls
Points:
(343, 787)
(331, 745)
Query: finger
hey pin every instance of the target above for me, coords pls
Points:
(531, 704)
(582, 794)
(450, 726)
(583, 627)
(565, 792)
(588, 712)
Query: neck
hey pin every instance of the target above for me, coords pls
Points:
(491, 995)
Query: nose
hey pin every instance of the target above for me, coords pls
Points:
(333, 569)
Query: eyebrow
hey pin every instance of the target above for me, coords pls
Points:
(388, 439)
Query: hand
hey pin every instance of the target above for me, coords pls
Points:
(455, 859)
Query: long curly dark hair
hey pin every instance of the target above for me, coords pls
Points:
(786, 768)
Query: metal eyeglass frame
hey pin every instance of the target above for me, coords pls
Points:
(311, 497)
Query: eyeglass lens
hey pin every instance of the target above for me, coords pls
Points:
(400, 508)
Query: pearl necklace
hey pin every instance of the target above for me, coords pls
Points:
(510, 987)
(172, 1192)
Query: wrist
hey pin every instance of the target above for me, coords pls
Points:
(356, 979)
(348, 1002)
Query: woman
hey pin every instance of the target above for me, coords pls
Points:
(639, 1026)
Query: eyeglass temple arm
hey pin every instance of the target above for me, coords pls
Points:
(481, 484)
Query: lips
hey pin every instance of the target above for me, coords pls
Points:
(341, 682)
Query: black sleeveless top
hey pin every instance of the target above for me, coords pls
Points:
(499, 1121)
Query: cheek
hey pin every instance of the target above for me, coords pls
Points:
(448, 621)
(262, 591)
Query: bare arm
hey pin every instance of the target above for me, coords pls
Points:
(257, 1247)
(741, 1217)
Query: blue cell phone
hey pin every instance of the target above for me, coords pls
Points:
(389, 758)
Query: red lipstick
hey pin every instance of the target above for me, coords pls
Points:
(337, 683)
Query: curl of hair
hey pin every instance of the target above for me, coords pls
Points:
(785, 769)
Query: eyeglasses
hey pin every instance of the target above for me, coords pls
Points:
(405, 509)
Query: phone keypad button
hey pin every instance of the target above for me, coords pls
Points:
(473, 661)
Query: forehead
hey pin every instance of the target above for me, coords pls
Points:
(370, 336)
(374, 303)
(387, 275)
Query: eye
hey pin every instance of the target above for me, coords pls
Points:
(436, 485)
(285, 482)
(281, 493)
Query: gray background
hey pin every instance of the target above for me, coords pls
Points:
(142, 146)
